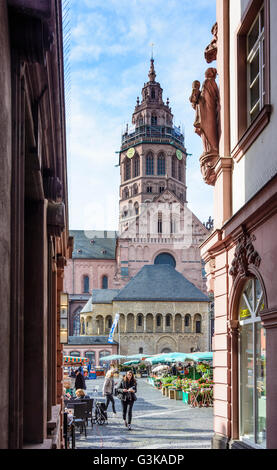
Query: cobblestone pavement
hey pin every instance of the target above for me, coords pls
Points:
(158, 423)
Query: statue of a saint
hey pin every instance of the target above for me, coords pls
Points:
(206, 105)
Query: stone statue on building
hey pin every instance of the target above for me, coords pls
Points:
(206, 105)
(211, 50)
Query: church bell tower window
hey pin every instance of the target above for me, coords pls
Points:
(150, 164)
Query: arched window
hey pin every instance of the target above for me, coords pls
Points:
(165, 258)
(136, 207)
(153, 95)
(104, 353)
(160, 222)
(180, 171)
(198, 322)
(140, 350)
(91, 356)
(159, 320)
(140, 318)
(125, 193)
(173, 167)
(252, 364)
(168, 320)
(127, 168)
(150, 164)
(161, 164)
(105, 282)
(154, 120)
(76, 322)
(136, 171)
(75, 353)
(187, 321)
(86, 284)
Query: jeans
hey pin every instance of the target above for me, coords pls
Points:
(127, 406)
(110, 398)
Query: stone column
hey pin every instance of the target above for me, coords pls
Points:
(144, 324)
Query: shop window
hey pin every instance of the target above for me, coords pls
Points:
(252, 365)
(91, 356)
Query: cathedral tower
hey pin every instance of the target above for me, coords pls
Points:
(153, 214)
(153, 156)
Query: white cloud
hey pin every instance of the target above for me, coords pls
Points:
(110, 62)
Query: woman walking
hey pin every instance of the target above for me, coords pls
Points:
(126, 392)
(108, 389)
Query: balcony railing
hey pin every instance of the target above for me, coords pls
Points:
(153, 134)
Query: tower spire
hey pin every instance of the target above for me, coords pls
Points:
(152, 73)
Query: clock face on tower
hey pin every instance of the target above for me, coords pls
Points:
(179, 154)
(131, 152)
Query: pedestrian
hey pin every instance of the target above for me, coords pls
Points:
(108, 389)
(126, 392)
(80, 380)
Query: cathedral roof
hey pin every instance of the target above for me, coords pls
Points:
(104, 296)
(94, 244)
(160, 282)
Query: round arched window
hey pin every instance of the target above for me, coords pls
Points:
(252, 364)
(165, 258)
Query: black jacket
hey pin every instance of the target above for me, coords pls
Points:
(80, 382)
(126, 396)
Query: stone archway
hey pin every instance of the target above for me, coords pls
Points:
(166, 342)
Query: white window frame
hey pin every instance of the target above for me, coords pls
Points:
(258, 47)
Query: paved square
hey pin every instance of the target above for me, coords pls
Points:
(158, 423)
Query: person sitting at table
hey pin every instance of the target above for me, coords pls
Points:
(80, 395)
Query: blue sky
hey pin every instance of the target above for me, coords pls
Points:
(109, 58)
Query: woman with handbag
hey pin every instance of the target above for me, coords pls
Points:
(126, 392)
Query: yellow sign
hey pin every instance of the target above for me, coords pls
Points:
(244, 313)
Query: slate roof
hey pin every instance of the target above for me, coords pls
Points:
(94, 244)
(104, 296)
(87, 307)
(89, 340)
(160, 282)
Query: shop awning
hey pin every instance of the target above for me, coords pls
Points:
(75, 360)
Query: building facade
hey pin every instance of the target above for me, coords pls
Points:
(241, 252)
(155, 224)
(34, 239)
(159, 311)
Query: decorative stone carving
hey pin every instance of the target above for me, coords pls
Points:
(245, 255)
(55, 218)
(211, 50)
(206, 104)
(53, 188)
